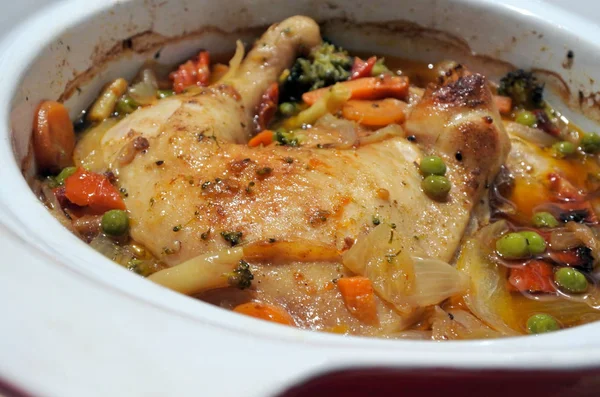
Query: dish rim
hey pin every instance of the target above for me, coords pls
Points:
(22, 205)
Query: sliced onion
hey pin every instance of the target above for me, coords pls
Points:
(435, 281)
(199, 274)
(398, 276)
(144, 92)
(487, 296)
(586, 235)
(459, 324)
(53, 206)
(110, 249)
(344, 130)
(530, 134)
(384, 257)
(487, 236)
(382, 134)
(410, 334)
(235, 62)
(161, 74)
(563, 240)
(88, 226)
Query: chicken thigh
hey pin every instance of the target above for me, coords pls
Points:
(197, 184)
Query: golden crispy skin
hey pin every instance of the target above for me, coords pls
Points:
(459, 122)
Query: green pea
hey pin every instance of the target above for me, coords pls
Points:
(287, 108)
(540, 323)
(512, 246)
(571, 280)
(525, 117)
(126, 105)
(590, 143)
(436, 186)
(432, 165)
(535, 243)
(115, 222)
(544, 219)
(564, 148)
(162, 94)
(64, 174)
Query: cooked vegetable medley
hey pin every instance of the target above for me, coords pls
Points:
(309, 187)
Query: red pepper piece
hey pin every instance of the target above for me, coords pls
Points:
(361, 68)
(534, 276)
(267, 107)
(193, 72)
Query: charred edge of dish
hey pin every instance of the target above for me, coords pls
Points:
(411, 29)
(147, 42)
(569, 59)
(588, 104)
(405, 28)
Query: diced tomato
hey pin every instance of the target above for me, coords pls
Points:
(95, 191)
(534, 276)
(563, 189)
(193, 72)
(267, 107)
(361, 68)
(580, 257)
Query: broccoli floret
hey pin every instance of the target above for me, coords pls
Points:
(379, 68)
(523, 88)
(325, 66)
(285, 138)
(233, 238)
(590, 143)
(241, 277)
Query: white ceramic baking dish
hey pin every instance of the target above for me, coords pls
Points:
(73, 323)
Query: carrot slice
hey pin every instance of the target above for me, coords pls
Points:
(53, 137)
(262, 138)
(535, 276)
(266, 312)
(375, 113)
(503, 103)
(359, 298)
(367, 88)
(86, 188)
